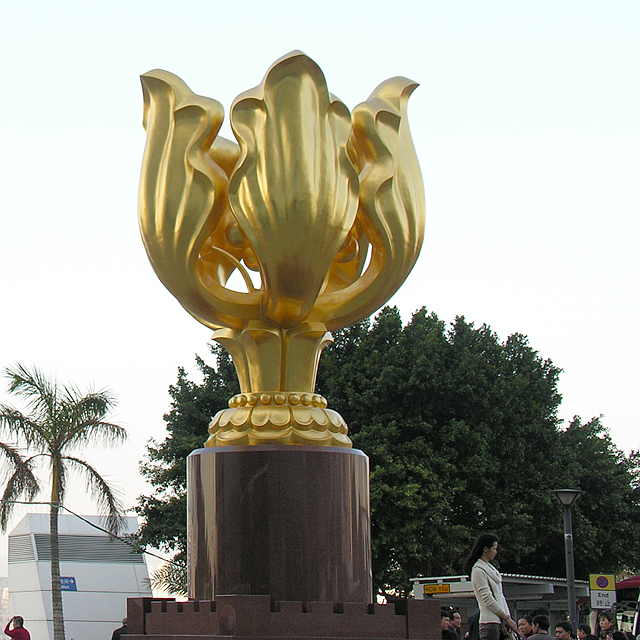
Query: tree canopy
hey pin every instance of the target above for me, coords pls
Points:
(463, 436)
(192, 407)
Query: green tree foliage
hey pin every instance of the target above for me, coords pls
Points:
(463, 436)
(59, 419)
(606, 520)
(165, 512)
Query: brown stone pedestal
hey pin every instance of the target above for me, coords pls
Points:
(279, 548)
(289, 522)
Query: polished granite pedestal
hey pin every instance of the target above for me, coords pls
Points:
(279, 548)
(289, 522)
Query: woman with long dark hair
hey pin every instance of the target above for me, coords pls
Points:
(607, 624)
(487, 586)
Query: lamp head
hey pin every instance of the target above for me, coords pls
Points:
(566, 497)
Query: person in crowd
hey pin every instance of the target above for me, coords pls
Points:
(607, 623)
(584, 630)
(120, 631)
(473, 623)
(487, 587)
(540, 624)
(563, 631)
(525, 630)
(445, 621)
(584, 633)
(455, 624)
(18, 632)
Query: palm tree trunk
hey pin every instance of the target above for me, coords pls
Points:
(56, 591)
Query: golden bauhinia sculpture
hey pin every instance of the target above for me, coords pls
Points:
(323, 206)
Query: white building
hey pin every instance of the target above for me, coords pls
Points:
(98, 574)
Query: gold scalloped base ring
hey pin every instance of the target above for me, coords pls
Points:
(283, 417)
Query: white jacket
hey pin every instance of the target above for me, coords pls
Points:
(487, 586)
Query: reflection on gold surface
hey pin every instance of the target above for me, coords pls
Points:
(320, 212)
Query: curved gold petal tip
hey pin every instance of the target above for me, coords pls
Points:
(395, 90)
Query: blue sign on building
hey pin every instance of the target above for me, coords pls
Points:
(68, 584)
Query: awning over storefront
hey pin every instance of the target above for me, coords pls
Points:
(523, 593)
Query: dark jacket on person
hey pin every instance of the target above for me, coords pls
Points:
(120, 631)
(541, 636)
(474, 626)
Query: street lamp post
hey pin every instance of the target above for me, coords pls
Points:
(567, 497)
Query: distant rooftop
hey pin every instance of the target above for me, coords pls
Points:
(79, 541)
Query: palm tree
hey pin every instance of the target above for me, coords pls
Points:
(59, 419)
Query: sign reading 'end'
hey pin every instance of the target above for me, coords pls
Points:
(603, 591)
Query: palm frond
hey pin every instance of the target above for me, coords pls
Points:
(76, 405)
(171, 577)
(97, 433)
(22, 482)
(83, 419)
(106, 497)
(96, 403)
(15, 460)
(38, 391)
(18, 424)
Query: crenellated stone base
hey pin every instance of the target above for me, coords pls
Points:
(261, 618)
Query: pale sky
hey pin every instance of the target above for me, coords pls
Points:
(527, 129)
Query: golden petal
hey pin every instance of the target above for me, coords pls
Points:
(335, 418)
(392, 207)
(237, 417)
(302, 416)
(341, 440)
(280, 416)
(314, 437)
(231, 438)
(260, 416)
(294, 189)
(271, 436)
(183, 198)
(271, 416)
(216, 419)
(319, 417)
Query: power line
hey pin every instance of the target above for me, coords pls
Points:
(95, 526)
